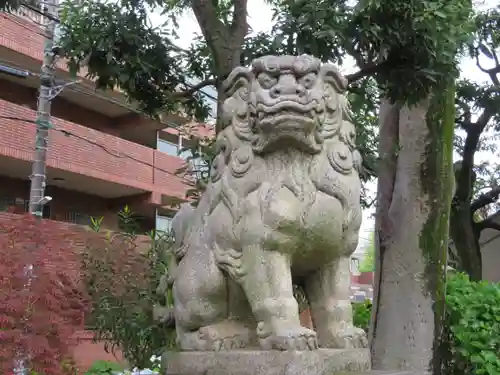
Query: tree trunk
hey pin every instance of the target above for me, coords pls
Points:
(412, 220)
(225, 41)
(466, 240)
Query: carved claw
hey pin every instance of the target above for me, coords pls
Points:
(223, 336)
(289, 338)
(349, 338)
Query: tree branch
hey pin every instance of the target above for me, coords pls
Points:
(486, 198)
(194, 88)
(206, 15)
(239, 25)
(368, 70)
(464, 181)
(465, 120)
(492, 72)
(489, 223)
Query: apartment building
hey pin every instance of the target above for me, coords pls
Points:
(102, 153)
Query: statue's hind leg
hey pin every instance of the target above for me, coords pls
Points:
(201, 293)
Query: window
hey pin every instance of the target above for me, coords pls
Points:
(6, 203)
(76, 217)
(163, 223)
(186, 154)
(168, 147)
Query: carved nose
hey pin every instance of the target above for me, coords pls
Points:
(279, 90)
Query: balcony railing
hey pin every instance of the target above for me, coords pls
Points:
(31, 15)
(89, 152)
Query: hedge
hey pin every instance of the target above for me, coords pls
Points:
(471, 338)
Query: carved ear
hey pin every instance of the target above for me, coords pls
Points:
(332, 75)
(239, 77)
(236, 89)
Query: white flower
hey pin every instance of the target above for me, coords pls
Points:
(155, 359)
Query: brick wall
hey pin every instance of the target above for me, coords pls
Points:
(92, 153)
(87, 352)
(364, 278)
(26, 37)
(61, 108)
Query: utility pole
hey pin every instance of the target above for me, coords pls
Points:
(43, 124)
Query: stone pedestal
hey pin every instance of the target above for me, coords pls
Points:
(248, 362)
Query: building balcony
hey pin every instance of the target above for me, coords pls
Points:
(89, 161)
(21, 47)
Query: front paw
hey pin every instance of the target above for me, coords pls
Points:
(287, 337)
(347, 338)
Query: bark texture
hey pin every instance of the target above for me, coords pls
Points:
(414, 196)
(224, 40)
(464, 231)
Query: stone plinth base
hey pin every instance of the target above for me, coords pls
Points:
(243, 362)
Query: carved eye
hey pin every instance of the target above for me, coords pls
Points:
(266, 80)
(308, 80)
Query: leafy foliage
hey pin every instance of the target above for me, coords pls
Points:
(119, 47)
(112, 368)
(362, 313)
(470, 341)
(473, 322)
(477, 130)
(122, 280)
(42, 299)
(368, 262)
(409, 46)
(104, 368)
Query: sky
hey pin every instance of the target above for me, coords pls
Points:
(260, 17)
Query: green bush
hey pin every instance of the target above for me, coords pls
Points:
(471, 341)
(122, 282)
(104, 368)
(471, 337)
(362, 313)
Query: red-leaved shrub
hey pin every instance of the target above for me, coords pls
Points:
(42, 296)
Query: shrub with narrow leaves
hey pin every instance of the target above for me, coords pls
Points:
(42, 299)
(122, 281)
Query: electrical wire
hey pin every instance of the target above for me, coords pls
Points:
(104, 148)
(57, 20)
(82, 89)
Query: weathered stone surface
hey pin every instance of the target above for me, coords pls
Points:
(283, 204)
(242, 362)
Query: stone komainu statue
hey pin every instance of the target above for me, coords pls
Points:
(283, 204)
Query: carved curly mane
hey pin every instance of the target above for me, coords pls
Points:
(282, 204)
(245, 163)
(238, 144)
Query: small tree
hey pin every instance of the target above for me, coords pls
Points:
(42, 301)
(122, 280)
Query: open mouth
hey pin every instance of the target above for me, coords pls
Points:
(296, 115)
